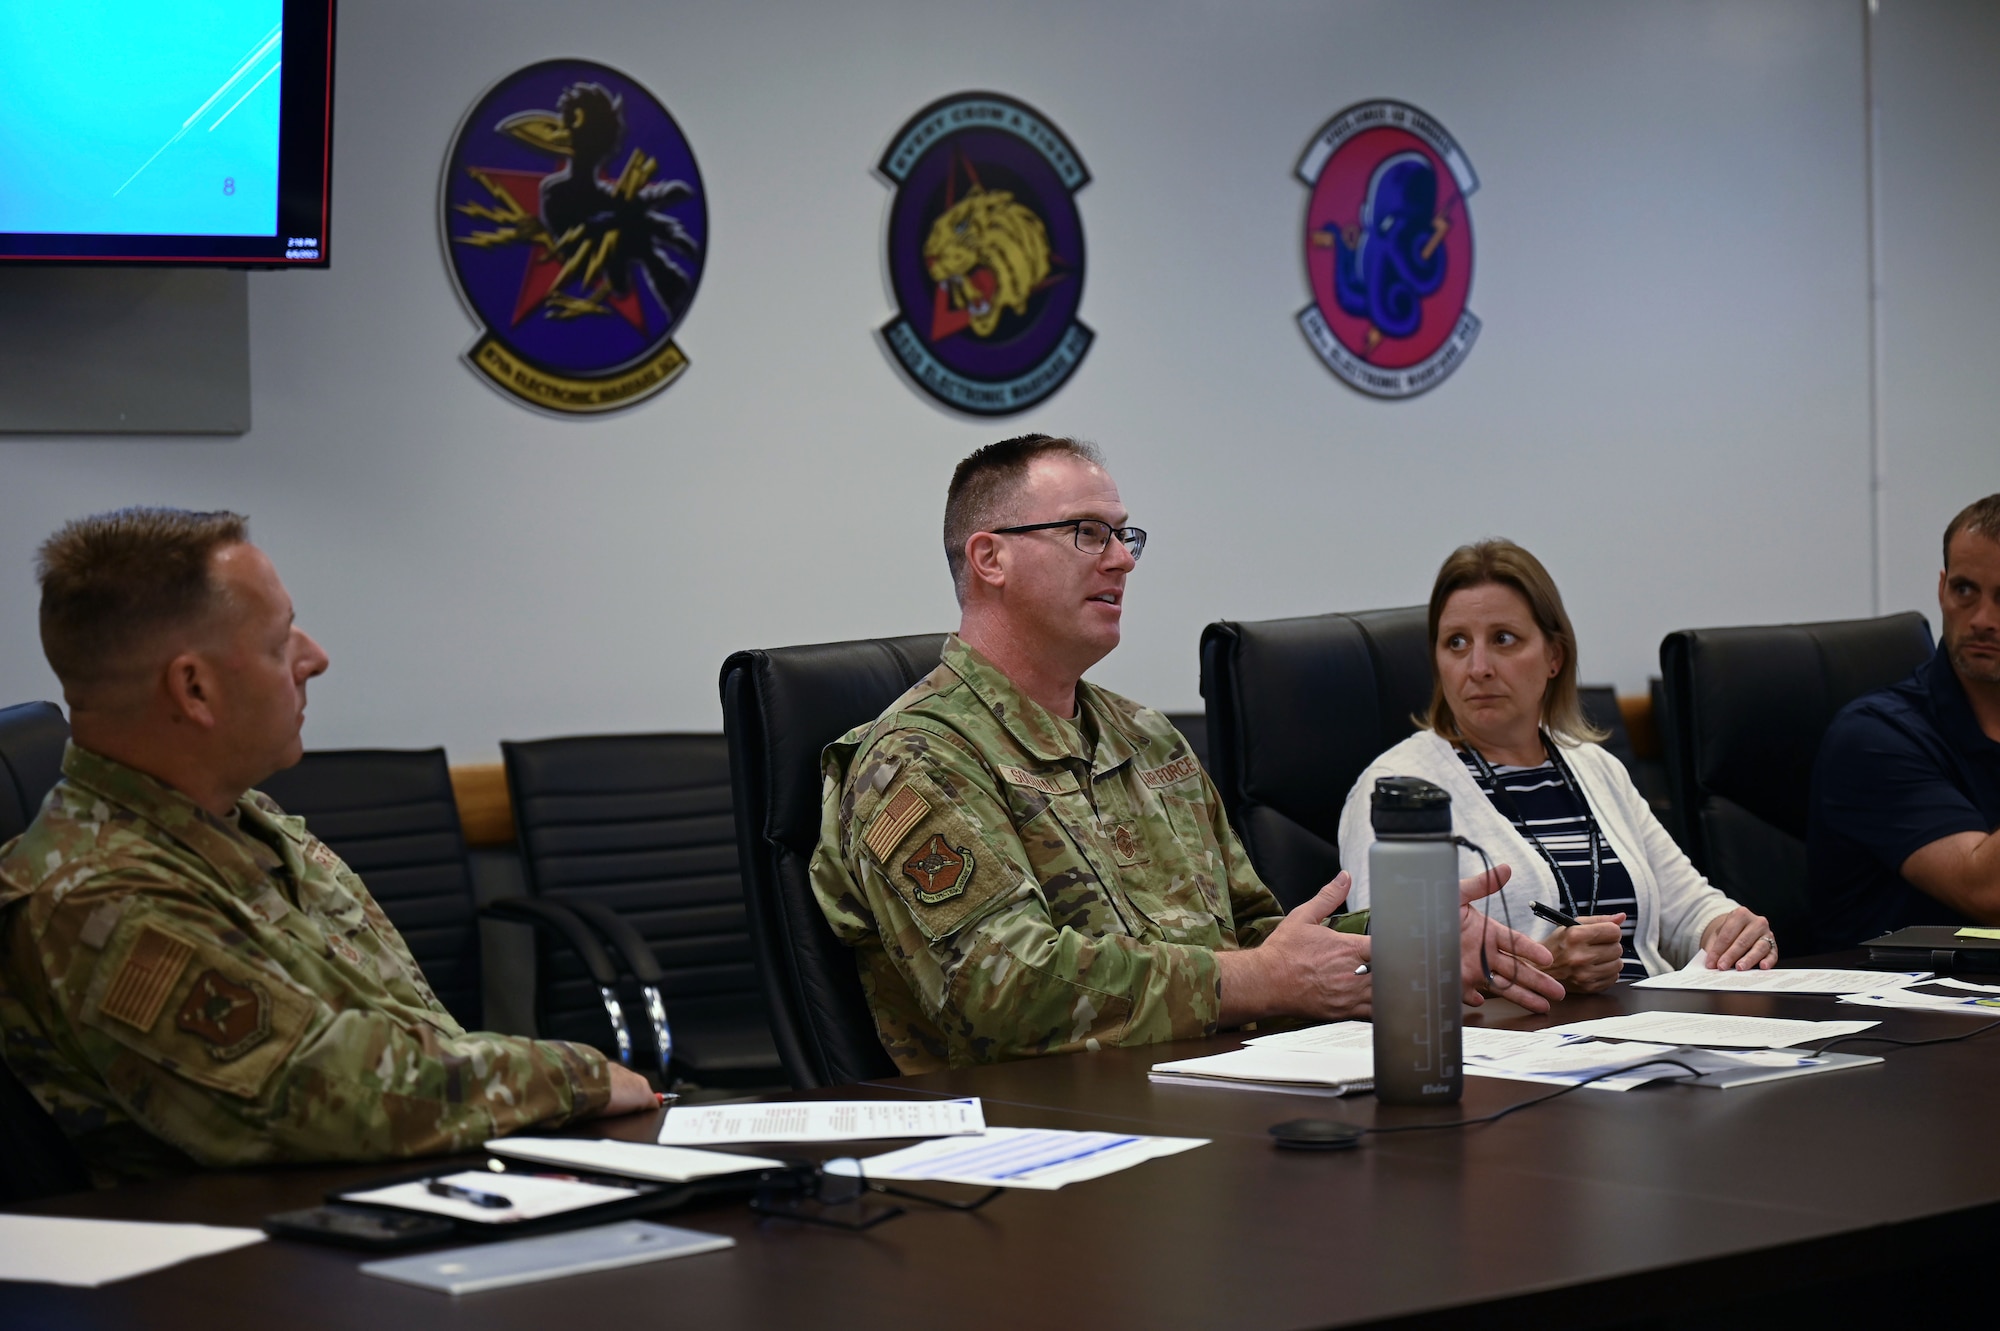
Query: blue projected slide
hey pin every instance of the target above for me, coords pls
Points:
(140, 117)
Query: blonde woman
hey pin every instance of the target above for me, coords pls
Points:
(1506, 737)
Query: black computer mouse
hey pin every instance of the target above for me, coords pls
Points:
(1316, 1134)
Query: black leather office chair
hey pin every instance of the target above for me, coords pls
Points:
(1600, 708)
(1194, 728)
(36, 1160)
(1297, 708)
(1746, 709)
(780, 708)
(635, 833)
(391, 814)
(32, 735)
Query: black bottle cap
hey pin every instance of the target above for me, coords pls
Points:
(1409, 806)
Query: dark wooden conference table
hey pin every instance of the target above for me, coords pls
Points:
(1666, 1205)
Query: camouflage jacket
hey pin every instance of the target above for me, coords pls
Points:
(1009, 892)
(178, 989)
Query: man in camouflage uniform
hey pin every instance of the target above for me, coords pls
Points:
(188, 976)
(1026, 863)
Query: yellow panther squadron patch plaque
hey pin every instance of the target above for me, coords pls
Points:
(985, 253)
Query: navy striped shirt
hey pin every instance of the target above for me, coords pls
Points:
(1544, 808)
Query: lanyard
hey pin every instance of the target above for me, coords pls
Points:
(1492, 779)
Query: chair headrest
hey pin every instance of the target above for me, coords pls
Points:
(807, 697)
(32, 735)
(1314, 701)
(1758, 700)
(348, 780)
(615, 764)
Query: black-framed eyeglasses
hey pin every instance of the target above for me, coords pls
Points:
(808, 1192)
(1092, 536)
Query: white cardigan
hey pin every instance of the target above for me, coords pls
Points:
(1675, 901)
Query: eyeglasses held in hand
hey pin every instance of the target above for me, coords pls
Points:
(1092, 536)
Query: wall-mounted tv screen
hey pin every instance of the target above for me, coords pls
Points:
(166, 131)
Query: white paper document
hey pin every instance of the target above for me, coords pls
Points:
(57, 1250)
(1711, 1029)
(1803, 980)
(1333, 1071)
(1718, 1069)
(1338, 1058)
(1940, 995)
(547, 1257)
(663, 1164)
(1043, 1158)
(529, 1198)
(820, 1121)
(1569, 1063)
(1475, 1041)
(1333, 1035)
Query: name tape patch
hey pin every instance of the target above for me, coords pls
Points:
(1062, 783)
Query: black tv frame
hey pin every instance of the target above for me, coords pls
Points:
(305, 179)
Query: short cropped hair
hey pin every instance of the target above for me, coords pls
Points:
(1508, 565)
(1981, 517)
(113, 582)
(983, 488)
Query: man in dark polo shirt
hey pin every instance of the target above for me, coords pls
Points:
(1906, 792)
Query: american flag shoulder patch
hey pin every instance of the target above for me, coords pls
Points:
(150, 971)
(905, 809)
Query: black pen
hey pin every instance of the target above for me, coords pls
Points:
(492, 1201)
(1554, 916)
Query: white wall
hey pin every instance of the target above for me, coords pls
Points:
(1938, 198)
(1669, 401)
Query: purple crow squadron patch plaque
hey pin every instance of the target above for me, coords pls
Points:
(1388, 249)
(575, 227)
(984, 253)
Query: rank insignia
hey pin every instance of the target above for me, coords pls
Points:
(233, 1018)
(939, 870)
(1127, 844)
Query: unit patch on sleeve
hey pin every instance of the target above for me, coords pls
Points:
(905, 809)
(197, 1009)
(940, 870)
(140, 989)
(232, 1018)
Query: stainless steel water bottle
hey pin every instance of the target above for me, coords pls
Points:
(1413, 900)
